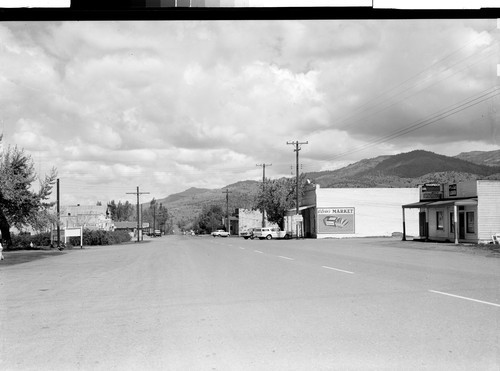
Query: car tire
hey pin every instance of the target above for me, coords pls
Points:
(268, 237)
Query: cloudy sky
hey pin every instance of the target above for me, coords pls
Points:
(171, 105)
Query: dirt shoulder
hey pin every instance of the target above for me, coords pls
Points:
(24, 256)
(488, 250)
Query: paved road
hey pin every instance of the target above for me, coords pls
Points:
(202, 303)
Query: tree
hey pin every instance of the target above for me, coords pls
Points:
(20, 205)
(210, 218)
(121, 212)
(277, 197)
(164, 219)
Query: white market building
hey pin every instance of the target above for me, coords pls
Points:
(356, 212)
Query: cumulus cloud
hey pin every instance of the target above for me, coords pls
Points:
(180, 104)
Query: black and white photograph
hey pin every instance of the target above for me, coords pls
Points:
(307, 193)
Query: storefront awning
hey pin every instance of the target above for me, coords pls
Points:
(301, 208)
(463, 202)
(416, 205)
(468, 202)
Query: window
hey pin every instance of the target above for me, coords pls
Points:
(439, 220)
(470, 222)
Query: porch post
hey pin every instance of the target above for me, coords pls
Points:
(404, 225)
(455, 222)
(427, 224)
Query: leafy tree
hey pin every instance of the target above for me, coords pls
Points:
(121, 212)
(164, 219)
(279, 196)
(184, 224)
(210, 218)
(20, 205)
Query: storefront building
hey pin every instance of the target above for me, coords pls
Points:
(356, 212)
(466, 212)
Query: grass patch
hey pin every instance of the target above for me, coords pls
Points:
(26, 256)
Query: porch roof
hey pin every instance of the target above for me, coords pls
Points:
(301, 208)
(416, 205)
(462, 202)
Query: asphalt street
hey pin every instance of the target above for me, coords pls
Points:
(203, 303)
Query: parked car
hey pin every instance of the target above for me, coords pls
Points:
(270, 233)
(220, 233)
(157, 233)
(248, 234)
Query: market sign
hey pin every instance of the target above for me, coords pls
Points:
(336, 220)
(452, 190)
(431, 192)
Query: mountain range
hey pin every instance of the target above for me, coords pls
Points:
(404, 170)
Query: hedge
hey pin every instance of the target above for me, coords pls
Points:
(90, 238)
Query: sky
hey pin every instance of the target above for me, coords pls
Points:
(166, 106)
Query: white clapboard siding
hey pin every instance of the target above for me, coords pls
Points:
(488, 192)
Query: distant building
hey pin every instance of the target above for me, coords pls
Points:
(245, 219)
(94, 217)
(353, 212)
(459, 212)
(125, 226)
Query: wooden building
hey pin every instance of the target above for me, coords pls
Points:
(461, 212)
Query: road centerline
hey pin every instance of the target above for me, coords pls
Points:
(285, 257)
(336, 269)
(465, 298)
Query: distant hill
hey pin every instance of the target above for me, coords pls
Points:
(404, 170)
(491, 158)
(187, 205)
(191, 192)
(418, 163)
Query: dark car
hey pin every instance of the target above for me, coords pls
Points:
(247, 234)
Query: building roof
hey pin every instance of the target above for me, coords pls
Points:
(123, 225)
(472, 201)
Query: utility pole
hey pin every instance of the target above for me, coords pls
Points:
(263, 189)
(296, 150)
(138, 211)
(227, 192)
(154, 216)
(58, 217)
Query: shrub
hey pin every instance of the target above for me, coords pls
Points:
(23, 240)
(93, 238)
(90, 238)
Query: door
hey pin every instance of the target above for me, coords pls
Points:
(461, 226)
(422, 224)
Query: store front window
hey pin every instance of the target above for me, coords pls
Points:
(440, 220)
(470, 222)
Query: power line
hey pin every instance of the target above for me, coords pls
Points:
(490, 93)
(383, 98)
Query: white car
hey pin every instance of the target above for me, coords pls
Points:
(220, 233)
(269, 233)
